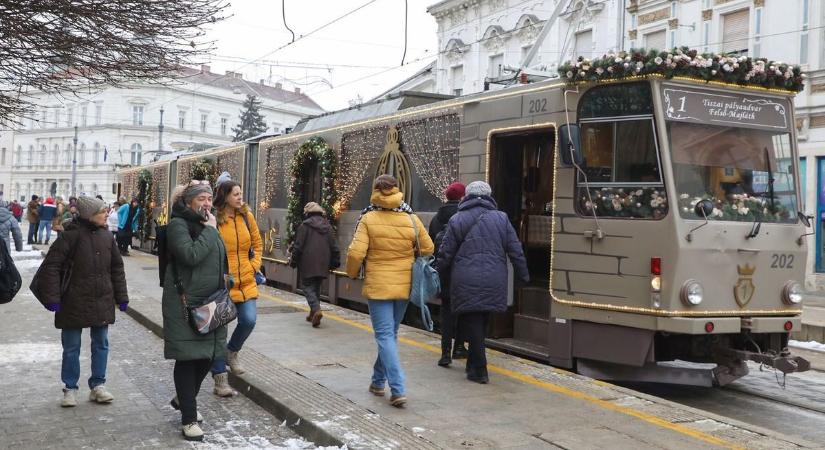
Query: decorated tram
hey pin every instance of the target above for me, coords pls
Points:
(655, 194)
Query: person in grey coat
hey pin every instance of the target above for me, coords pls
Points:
(475, 249)
(8, 224)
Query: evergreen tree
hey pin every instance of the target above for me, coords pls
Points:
(252, 123)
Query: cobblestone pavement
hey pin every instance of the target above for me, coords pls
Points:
(139, 378)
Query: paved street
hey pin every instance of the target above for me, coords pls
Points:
(139, 378)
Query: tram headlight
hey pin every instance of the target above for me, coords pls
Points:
(692, 292)
(792, 293)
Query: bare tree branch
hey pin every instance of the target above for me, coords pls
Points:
(65, 46)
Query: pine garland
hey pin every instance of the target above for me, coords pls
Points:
(685, 62)
(204, 169)
(315, 150)
(145, 196)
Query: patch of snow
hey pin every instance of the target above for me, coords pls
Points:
(29, 352)
(810, 345)
(26, 254)
(27, 264)
(418, 429)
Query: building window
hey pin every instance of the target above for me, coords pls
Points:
(735, 32)
(55, 155)
(494, 65)
(67, 156)
(706, 4)
(98, 113)
(137, 154)
(584, 44)
(457, 80)
(43, 119)
(95, 154)
(81, 161)
(672, 38)
(70, 116)
(705, 36)
(43, 156)
(633, 21)
(655, 40)
(757, 40)
(137, 115)
(57, 117)
(204, 118)
(803, 37)
(84, 114)
(18, 157)
(224, 122)
(3, 157)
(94, 189)
(182, 120)
(803, 179)
(673, 9)
(30, 156)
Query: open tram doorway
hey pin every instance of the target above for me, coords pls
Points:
(521, 176)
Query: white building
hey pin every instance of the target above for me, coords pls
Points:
(117, 127)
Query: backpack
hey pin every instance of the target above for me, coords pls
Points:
(425, 281)
(10, 280)
(163, 246)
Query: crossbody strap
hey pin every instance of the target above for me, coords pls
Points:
(473, 227)
(417, 248)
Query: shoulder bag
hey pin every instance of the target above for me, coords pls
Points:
(425, 281)
(217, 311)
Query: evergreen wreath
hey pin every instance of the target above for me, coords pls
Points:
(315, 150)
(204, 169)
(684, 62)
(144, 197)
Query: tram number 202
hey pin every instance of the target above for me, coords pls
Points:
(781, 261)
(538, 105)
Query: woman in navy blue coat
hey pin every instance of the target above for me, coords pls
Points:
(474, 252)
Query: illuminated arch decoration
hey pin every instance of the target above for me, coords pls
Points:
(314, 150)
(394, 162)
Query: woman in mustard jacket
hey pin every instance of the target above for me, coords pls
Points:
(384, 240)
(243, 251)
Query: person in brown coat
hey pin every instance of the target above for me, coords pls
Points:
(314, 253)
(33, 218)
(85, 253)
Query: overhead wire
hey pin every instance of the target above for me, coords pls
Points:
(404, 55)
(283, 13)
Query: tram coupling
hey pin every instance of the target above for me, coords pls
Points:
(734, 363)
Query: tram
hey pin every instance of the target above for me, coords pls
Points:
(659, 215)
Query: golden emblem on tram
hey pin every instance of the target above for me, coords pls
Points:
(744, 289)
(394, 162)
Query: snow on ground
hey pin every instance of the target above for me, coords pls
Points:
(810, 345)
(27, 264)
(28, 352)
(26, 254)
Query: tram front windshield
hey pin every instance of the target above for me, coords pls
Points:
(747, 173)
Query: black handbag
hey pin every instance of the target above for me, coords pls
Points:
(216, 311)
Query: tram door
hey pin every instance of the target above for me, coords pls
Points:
(311, 192)
(521, 175)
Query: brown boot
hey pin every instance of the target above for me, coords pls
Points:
(316, 318)
(309, 316)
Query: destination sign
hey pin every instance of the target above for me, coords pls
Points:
(732, 109)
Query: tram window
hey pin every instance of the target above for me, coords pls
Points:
(621, 163)
(615, 100)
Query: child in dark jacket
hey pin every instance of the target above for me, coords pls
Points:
(314, 253)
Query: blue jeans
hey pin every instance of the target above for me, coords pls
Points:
(386, 316)
(45, 228)
(70, 372)
(247, 316)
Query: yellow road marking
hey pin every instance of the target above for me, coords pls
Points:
(649, 418)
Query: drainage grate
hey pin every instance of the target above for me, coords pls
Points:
(276, 310)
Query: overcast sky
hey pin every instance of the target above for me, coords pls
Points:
(371, 38)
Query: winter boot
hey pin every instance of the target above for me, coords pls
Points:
(459, 352)
(316, 318)
(478, 375)
(398, 401)
(445, 357)
(176, 407)
(377, 391)
(192, 432)
(100, 395)
(234, 362)
(222, 388)
(69, 398)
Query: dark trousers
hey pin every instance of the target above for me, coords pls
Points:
(188, 378)
(449, 327)
(124, 238)
(32, 233)
(474, 330)
(312, 291)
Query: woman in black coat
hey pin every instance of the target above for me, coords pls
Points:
(81, 280)
(478, 242)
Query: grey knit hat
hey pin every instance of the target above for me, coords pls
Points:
(89, 206)
(477, 188)
(194, 189)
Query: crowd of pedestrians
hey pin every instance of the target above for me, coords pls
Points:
(213, 250)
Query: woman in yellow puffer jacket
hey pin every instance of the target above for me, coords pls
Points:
(244, 247)
(385, 240)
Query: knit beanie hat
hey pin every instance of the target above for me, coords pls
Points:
(194, 189)
(313, 207)
(222, 178)
(478, 188)
(89, 206)
(454, 191)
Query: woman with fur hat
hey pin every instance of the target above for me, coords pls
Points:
(244, 248)
(197, 259)
(385, 240)
(314, 253)
(97, 285)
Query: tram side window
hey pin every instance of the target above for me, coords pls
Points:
(621, 165)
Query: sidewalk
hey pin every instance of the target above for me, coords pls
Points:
(321, 376)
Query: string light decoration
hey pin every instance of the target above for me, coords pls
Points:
(275, 161)
(146, 201)
(431, 144)
(314, 151)
(210, 165)
(359, 150)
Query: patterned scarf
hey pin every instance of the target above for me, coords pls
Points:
(404, 207)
